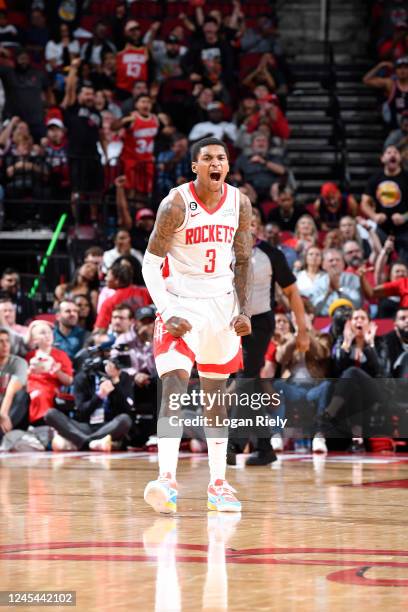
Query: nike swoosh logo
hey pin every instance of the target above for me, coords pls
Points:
(195, 214)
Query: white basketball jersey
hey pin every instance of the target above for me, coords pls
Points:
(199, 261)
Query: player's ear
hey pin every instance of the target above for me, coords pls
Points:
(194, 167)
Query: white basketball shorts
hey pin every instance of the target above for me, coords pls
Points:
(211, 343)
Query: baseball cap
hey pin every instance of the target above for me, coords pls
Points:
(214, 106)
(131, 25)
(402, 61)
(55, 121)
(145, 312)
(143, 213)
(337, 303)
(329, 189)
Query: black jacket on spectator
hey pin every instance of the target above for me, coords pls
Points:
(373, 363)
(394, 350)
(120, 400)
(24, 91)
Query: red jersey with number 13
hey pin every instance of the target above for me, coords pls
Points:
(131, 66)
(199, 261)
(138, 142)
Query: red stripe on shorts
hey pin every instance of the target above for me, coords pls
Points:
(235, 364)
(163, 342)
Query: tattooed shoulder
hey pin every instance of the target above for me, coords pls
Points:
(170, 216)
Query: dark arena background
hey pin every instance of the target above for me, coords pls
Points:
(100, 102)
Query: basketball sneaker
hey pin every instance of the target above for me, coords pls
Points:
(161, 494)
(221, 497)
(319, 445)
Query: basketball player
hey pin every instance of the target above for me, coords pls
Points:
(201, 307)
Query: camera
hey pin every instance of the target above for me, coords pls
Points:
(341, 315)
(121, 358)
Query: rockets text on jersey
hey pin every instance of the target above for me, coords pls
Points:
(199, 261)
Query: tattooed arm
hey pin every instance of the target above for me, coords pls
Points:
(243, 266)
(169, 217)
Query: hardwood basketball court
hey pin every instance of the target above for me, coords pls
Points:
(315, 534)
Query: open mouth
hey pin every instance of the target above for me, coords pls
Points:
(215, 176)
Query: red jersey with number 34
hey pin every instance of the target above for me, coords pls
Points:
(138, 142)
(131, 66)
(199, 261)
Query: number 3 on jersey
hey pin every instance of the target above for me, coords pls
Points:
(210, 267)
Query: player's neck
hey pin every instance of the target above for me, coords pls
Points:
(210, 198)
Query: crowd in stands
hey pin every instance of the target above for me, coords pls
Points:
(103, 100)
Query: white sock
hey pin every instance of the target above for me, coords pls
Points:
(168, 450)
(217, 457)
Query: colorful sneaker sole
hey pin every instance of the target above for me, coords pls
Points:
(158, 497)
(223, 506)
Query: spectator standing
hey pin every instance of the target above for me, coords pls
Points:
(210, 56)
(27, 91)
(142, 127)
(394, 87)
(56, 158)
(84, 130)
(385, 200)
(167, 56)
(132, 63)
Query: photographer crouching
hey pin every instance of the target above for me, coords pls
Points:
(133, 349)
(103, 402)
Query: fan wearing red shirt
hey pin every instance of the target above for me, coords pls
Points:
(49, 369)
(398, 287)
(119, 277)
(132, 64)
(137, 156)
